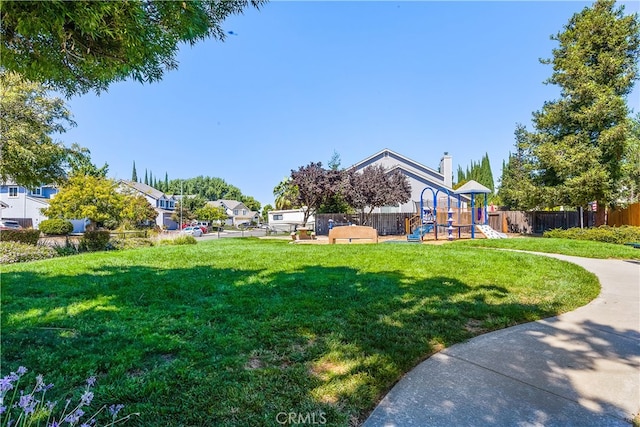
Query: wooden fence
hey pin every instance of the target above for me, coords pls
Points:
(386, 223)
(628, 216)
(537, 222)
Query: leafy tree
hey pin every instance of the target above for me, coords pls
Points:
(210, 188)
(28, 153)
(211, 214)
(517, 191)
(479, 172)
(265, 212)
(630, 185)
(579, 142)
(334, 162)
(251, 203)
(315, 185)
(86, 196)
(81, 46)
(286, 195)
(137, 211)
(375, 187)
(79, 160)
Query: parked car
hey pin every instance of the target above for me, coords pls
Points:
(7, 224)
(194, 231)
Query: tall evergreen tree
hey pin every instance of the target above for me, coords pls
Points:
(580, 141)
(134, 174)
(166, 183)
(146, 177)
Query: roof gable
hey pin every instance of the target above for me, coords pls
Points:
(403, 162)
(145, 189)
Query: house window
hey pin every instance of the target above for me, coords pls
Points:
(244, 212)
(162, 203)
(171, 205)
(13, 191)
(37, 191)
(235, 212)
(277, 217)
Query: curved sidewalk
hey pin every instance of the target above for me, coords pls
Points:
(578, 369)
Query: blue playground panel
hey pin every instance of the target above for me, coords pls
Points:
(417, 234)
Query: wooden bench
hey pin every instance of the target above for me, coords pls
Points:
(351, 232)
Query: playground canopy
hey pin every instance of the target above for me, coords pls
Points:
(472, 188)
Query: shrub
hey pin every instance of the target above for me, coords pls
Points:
(12, 252)
(56, 227)
(181, 240)
(604, 233)
(130, 243)
(29, 237)
(94, 240)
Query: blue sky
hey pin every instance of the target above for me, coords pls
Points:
(298, 80)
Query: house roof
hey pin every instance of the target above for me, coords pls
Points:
(144, 189)
(229, 204)
(472, 187)
(424, 171)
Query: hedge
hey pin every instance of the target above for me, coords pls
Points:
(56, 227)
(29, 237)
(604, 233)
(12, 252)
(94, 241)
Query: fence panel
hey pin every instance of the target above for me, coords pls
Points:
(385, 223)
(628, 216)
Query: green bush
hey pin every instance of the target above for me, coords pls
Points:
(605, 234)
(11, 252)
(56, 227)
(29, 237)
(181, 240)
(130, 243)
(94, 241)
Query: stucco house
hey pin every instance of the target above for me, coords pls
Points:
(237, 212)
(164, 204)
(25, 205)
(419, 176)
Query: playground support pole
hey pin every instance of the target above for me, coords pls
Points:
(473, 216)
(486, 213)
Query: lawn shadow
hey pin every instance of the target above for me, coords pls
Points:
(242, 345)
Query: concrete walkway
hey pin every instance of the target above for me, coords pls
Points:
(578, 369)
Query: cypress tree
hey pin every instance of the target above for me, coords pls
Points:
(146, 177)
(134, 174)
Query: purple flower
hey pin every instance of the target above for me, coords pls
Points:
(54, 424)
(6, 383)
(3, 409)
(27, 403)
(114, 409)
(22, 370)
(86, 398)
(91, 381)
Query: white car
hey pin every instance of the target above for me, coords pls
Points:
(194, 231)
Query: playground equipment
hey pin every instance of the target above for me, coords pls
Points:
(429, 215)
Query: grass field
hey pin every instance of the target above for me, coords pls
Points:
(237, 331)
(583, 248)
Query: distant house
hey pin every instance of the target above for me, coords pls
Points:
(163, 204)
(25, 204)
(419, 176)
(237, 212)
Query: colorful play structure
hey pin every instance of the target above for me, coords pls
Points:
(429, 213)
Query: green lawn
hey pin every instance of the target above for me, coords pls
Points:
(582, 248)
(236, 331)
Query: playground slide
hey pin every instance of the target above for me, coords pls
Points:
(417, 234)
(490, 233)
